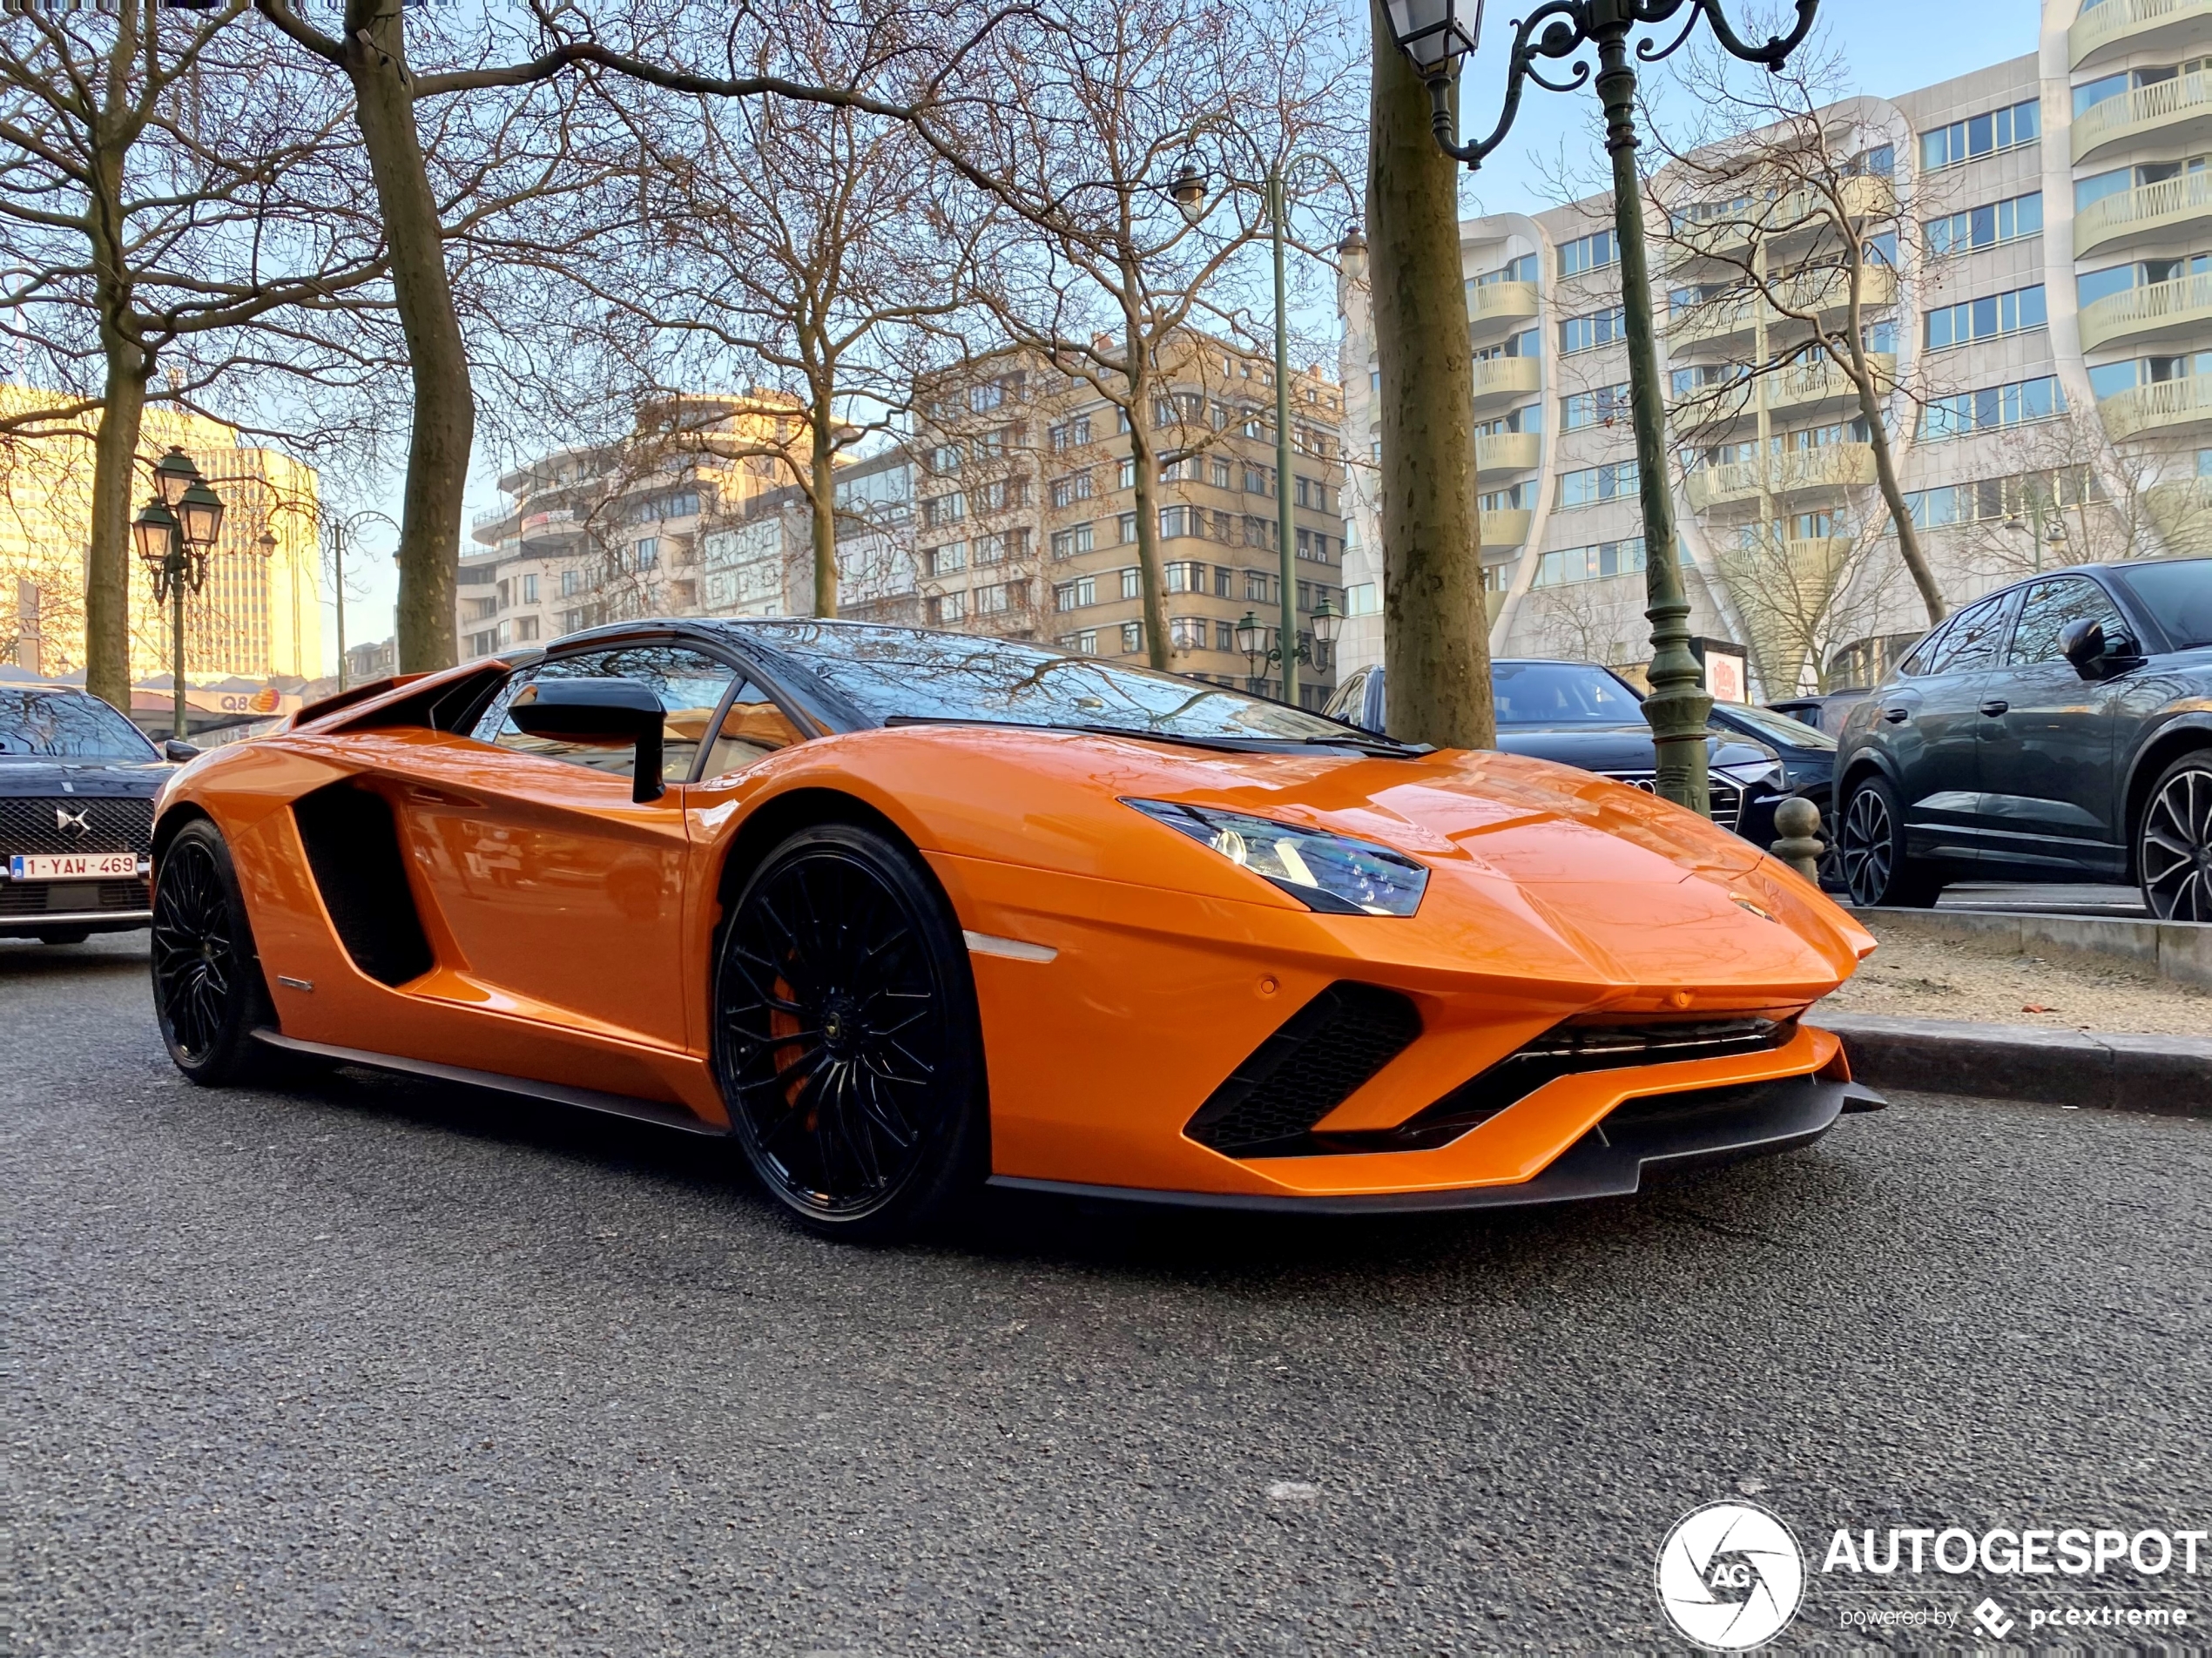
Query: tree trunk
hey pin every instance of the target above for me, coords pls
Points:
(1151, 578)
(445, 408)
(1436, 629)
(1878, 435)
(822, 504)
(107, 560)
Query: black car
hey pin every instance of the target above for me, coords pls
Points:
(2057, 730)
(77, 788)
(1581, 714)
(1826, 713)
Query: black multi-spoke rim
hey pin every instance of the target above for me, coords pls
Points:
(831, 1033)
(195, 965)
(2176, 851)
(1866, 848)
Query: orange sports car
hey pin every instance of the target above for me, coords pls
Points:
(908, 912)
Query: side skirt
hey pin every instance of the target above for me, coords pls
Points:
(619, 1105)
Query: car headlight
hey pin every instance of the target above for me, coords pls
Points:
(1766, 772)
(1333, 873)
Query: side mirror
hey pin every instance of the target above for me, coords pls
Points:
(600, 713)
(178, 751)
(2095, 653)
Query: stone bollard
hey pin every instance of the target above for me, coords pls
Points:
(1796, 843)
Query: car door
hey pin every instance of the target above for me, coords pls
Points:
(2047, 740)
(557, 888)
(1927, 725)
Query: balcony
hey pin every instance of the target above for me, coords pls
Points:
(2146, 213)
(2144, 315)
(1802, 213)
(2183, 511)
(2175, 113)
(1508, 452)
(2163, 405)
(551, 530)
(1500, 378)
(2119, 26)
(1722, 322)
(494, 526)
(1496, 305)
(1832, 466)
(1806, 388)
(1507, 528)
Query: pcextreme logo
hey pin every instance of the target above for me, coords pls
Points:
(1731, 1576)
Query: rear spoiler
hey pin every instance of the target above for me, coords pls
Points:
(346, 699)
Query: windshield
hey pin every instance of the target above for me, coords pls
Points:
(1562, 693)
(1780, 728)
(2179, 593)
(64, 725)
(903, 673)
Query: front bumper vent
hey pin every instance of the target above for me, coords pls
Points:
(1316, 1061)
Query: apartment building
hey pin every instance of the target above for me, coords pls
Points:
(595, 533)
(1026, 521)
(2038, 307)
(761, 561)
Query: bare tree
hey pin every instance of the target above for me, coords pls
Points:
(169, 202)
(1779, 203)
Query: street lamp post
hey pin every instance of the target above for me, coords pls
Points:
(1294, 647)
(340, 530)
(1434, 37)
(175, 531)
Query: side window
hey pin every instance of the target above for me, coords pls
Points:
(753, 729)
(690, 688)
(1924, 653)
(2049, 606)
(1971, 641)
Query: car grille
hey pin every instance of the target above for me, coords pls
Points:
(74, 898)
(112, 822)
(1727, 797)
(1315, 1061)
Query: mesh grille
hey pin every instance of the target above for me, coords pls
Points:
(38, 898)
(1726, 798)
(1320, 1056)
(113, 824)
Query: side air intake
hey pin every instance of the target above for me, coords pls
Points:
(1310, 1066)
(354, 849)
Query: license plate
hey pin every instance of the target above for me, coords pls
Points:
(73, 866)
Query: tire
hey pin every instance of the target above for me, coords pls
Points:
(845, 1037)
(208, 991)
(2173, 842)
(66, 935)
(1871, 843)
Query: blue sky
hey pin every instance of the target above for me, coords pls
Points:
(1888, 46)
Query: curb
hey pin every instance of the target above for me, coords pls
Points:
(2180, 951)
(2165, 1076)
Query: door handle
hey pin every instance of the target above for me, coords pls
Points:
(1897, 715)
(1995, 706)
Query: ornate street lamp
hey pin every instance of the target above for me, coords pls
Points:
(175, 531)
(1434, 37)
(1312, 648)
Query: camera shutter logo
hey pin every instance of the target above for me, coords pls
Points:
(73, 821)
(1731, 1576)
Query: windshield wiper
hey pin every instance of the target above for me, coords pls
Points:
(1374, 742)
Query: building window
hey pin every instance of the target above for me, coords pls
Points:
(1255, 481)
(1222, 472)
(1588, 333)
(1986, 227)
(646, 554)
(1521, 498)
(1588, 253)
(1180, 521)
(1601, 406)
(1590, 485)
(572, 582)
(530, 589)
(1075, 486)
(1125, 473)
(1132, 636)
(1125, 529)
(1190, 632)
(1259, 588)
(945, 458)
(1071, 433)
(943, 509)
(1132, 582)
(1591, 563)
(1981, 135)
(942, 561)
(1186, 579)
(1992, 407)
(1066, 543)
(1985, 318)
(1073, 596)
(990, 550)
(525, 628)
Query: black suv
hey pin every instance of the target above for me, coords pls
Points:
(2057, 730)
(77, 788)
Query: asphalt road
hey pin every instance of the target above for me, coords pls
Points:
(384, 1367)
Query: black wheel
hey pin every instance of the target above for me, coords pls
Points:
(208, 991)
(2174, 846)
(66, 935)
(846, 1039)
(1871, 843)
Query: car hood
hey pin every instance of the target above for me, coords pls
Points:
(1616, 748)
(20, 776)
